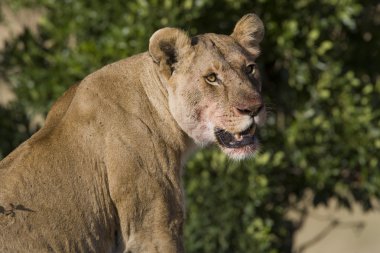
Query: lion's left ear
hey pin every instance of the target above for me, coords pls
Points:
(249, 32)
(166, 46)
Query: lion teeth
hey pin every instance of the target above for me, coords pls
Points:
(238, 137)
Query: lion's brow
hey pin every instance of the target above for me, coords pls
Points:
(230, 56)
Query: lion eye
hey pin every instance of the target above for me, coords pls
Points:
(251, 69)
(211, 78)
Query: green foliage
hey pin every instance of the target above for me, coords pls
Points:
(15, 128)
(224, 203)
(320, 72)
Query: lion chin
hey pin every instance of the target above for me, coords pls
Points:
(242, 153)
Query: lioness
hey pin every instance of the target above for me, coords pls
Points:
(104, 173)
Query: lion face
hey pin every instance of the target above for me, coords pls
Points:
(213, 84)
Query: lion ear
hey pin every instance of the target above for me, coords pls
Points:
(249, 32)
(166, 46)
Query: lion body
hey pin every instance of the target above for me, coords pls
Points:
(65, 190)
(104, 173)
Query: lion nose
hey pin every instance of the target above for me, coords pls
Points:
(251, 110)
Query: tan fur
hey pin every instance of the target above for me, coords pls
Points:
(104, 173)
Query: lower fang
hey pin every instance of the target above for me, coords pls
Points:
(252, 130)
(238, 137)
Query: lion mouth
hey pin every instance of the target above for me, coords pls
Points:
(239, 140)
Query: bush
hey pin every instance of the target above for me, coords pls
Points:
(320, 73)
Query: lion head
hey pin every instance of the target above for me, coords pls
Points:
(213, 84)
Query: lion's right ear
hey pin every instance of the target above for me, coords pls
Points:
(166, 46)
(249, 32)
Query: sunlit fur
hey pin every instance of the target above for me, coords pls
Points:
(104, 172)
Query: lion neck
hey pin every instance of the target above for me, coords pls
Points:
(135, 108)
(155, 88)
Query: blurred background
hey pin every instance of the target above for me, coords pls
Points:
(315, 185)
